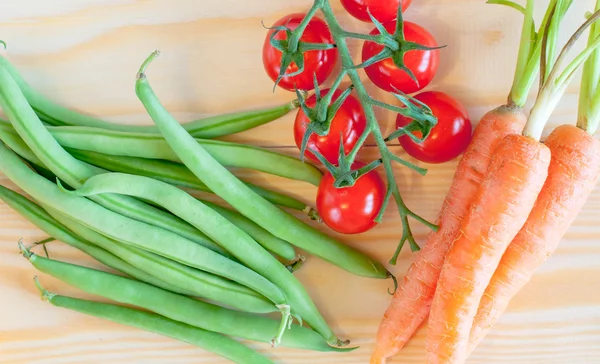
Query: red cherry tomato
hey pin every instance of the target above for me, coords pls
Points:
(351, 210)
(349, 122)
(448, 139)
(424, 64)
(319, 62)
(382, 10)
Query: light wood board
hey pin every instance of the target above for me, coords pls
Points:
(85, 54)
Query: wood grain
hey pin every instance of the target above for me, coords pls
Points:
(85, 55)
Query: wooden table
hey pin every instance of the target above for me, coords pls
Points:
(84, 54)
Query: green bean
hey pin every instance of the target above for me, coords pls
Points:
(40, 218)
(74, 172)
(210, 127)
(246, 201)
(174, 173)
(176, 307)
(196, 213)
(152, 146)
(268, 241)
(133, 232)
(14, 142)
(207, 340)
(199, 283)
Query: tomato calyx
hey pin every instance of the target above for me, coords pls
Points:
(322, 114)
(423, 119)
(292, 48)
(343, 174)
(395, 46)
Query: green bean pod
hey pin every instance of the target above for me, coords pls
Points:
(187, 279)
(133, 232)
(268, 241)
(151, 146)
(177, 307)
(14, 142)
(174, 173)
(40, 218)
(210, 127)
(243, 199)
(74, 172)
(210, 341)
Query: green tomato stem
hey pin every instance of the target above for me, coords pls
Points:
(339, 36)
(294, 40)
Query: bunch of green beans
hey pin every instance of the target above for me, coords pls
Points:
(273, 244)
(204, 272)
(174, 173)
(150, 146)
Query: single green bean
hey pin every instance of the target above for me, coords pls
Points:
(210, 127)
(153, 146)
(268, 241)
(14, 142)
(40, 218)
(133, 232)
(216, 343)
(199, 283)
(73, 172)
(203, 217)
(177, 307)
(174, 173)
(243, 199)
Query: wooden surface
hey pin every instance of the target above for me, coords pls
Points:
(84, 54)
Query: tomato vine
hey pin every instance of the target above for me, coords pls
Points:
(422, 117)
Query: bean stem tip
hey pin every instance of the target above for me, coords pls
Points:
(149, 59)
(46, 296)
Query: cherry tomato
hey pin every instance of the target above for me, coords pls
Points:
(319, 62)
(424, 64)
(448, 139)
(351, 210)
(349, 122)
(382, 10)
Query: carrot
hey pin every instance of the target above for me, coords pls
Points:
(517, 173)
(411, 302)
(573, 173)
(501, 206)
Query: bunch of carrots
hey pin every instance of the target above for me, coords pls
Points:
(511, 201)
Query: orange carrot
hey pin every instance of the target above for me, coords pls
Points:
(411, 302)
(573, 173)
(515, 177)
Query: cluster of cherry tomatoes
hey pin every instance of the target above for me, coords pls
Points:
(353, 210)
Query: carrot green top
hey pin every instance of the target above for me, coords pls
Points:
(554, 78)
(589, 96)
(530, 49)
